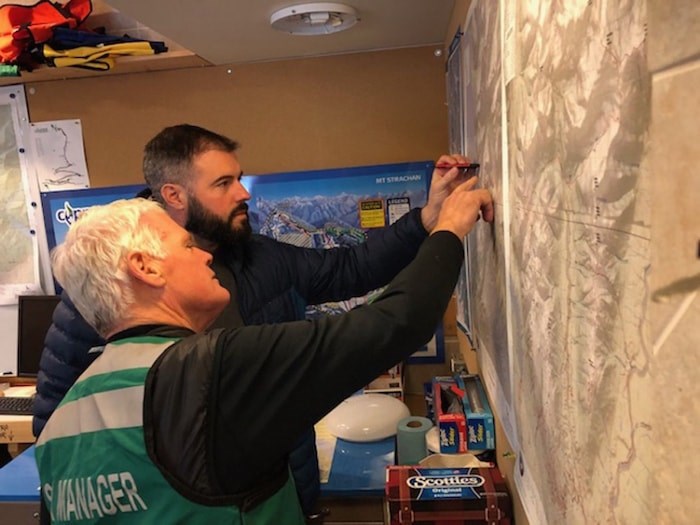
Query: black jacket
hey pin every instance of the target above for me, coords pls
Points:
(244, 396)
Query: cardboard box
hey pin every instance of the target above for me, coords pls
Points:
(390, 383)
(446, 496)
(449, 416)
(481, 433)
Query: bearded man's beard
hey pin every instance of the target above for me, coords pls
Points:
(202, 223)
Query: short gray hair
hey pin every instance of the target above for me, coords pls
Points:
(91, 262)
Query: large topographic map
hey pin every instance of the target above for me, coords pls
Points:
(487, 243)
(560, 281)
(19, 260)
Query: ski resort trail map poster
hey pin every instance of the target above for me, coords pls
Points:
(338, 207)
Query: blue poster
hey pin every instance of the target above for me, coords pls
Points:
(314, 209)
(62, 208)
(339, 207)
(327, 208)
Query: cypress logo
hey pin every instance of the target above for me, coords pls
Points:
(68, 215)
(465, 481)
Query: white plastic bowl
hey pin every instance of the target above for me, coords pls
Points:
(366, 417)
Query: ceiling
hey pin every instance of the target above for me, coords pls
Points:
(238, 31)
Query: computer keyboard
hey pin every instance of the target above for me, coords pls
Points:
(16, 406)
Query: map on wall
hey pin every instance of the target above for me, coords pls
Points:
(563, 270)
(486, 243)
(454, 97)
(59, 156)
(455, 104)
(19, 260)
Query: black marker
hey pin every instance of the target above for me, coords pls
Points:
(460, 165)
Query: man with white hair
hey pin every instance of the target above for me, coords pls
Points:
(176, 423)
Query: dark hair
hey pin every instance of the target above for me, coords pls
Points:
(145, 193)
(167, 158)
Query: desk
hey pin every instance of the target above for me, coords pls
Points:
(19, 490)
(353, 492)
(358, 469)
(16, 432)
(353, 474)
(353, 488)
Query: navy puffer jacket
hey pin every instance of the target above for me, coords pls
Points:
(274, 282)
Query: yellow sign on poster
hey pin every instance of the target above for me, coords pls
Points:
(372, 214)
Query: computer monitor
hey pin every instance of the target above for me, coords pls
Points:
(34, 314)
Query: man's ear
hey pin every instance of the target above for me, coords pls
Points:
(145, 269)
(174, 196)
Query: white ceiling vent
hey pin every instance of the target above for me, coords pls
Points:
(321, 18)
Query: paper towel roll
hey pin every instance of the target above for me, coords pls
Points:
(432, 440)
(410, 440)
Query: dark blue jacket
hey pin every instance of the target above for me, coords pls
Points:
(274, 282)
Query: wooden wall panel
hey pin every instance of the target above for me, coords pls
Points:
(326, 112)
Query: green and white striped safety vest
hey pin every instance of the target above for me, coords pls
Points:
(93, 462)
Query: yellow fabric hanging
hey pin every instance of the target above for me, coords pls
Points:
(100, 57)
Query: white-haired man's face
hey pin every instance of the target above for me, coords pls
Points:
(190, 287)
